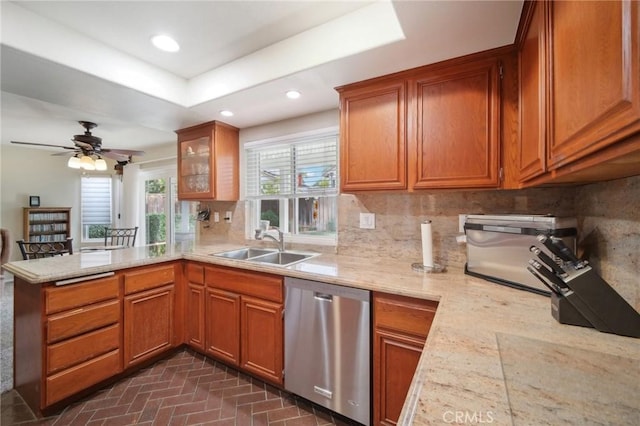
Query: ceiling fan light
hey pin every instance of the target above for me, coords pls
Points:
(87, 163)
(101, 165)
(74, 162)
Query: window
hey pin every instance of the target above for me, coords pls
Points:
(293, 183)
(95, 194)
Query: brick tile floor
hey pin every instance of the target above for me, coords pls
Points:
(184, 389)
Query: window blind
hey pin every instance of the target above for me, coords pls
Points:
(96, 200)
(297, 168)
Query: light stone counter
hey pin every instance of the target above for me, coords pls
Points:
(494, 355)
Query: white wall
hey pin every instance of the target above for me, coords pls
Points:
(28, 171)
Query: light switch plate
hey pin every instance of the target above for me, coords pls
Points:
(367, 221)
(216, 217)
(227, 216)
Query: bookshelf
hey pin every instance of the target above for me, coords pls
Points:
(42, 224)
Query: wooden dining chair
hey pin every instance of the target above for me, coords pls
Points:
(40, 249)
(125, 237)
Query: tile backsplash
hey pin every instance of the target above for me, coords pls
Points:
(608, 216)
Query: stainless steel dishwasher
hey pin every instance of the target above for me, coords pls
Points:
(327, 346)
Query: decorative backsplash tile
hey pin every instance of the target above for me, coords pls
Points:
(608, 224)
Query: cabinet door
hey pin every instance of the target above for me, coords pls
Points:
(595, 76)
(455, 135)
(262, 339)
(208, 167)
(373, 137)
(196, 177)
(395, 361)
(222, 326)
(194, 315)
(532, 75)
(148, 324)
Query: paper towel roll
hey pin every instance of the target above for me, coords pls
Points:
(427, 242)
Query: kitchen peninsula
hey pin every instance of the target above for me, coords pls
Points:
(493, 355)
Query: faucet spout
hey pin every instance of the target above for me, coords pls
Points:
(260, 235)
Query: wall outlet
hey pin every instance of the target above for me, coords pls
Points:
(367, 221)
(216, 217)
(227, 216)
(462, 218)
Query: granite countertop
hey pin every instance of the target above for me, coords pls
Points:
(494, 354)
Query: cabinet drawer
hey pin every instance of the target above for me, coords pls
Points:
(58, 299)
(82, 376)
(147, 278)
(82, 348)
(195, 273)
(72, 323)
(404, 314)
(265, 286)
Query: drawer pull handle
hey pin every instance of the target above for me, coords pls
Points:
(85, 278)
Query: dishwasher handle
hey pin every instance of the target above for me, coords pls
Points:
(322, 297)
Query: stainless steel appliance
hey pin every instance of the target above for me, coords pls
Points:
(327, 346)
(498, 246)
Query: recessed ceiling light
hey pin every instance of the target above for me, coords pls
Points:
(293, 94)
(166, 43)
(226, 113)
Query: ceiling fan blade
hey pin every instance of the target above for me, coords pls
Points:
(62, 153)
(125, 152)
(115, 156)
(42, 144)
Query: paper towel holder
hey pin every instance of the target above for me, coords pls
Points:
(435, 269)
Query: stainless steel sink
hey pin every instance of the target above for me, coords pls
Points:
(282, 258)
(271, 257)
(244, 253)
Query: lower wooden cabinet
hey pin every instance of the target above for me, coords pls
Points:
(194, 300)
(149, 310)
(401, 326)
(244, 321)
(149, 324)
(262, 334)
(223, 325)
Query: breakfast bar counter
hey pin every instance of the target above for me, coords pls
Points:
(493, 355)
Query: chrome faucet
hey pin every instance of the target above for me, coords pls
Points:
(261, 234)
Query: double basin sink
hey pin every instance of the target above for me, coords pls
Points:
(266, 256)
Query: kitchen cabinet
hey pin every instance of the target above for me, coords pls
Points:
(579, 91)
(531, 72)
(208, 162)
(401, 325)
(373, 143)
(244, 321)
(195, 299)
(223, 325)
(75, 344)
(432, 127)
(149, 309)
(455, 115)
(43, 224)
(262, 327)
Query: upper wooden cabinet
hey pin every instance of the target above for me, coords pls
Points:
(456, 113)
(595, 76)
(531, 75)
(208, 162)
(579, 91)
(436, 126)
(373, 136)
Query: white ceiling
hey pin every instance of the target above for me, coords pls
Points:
(91, 60)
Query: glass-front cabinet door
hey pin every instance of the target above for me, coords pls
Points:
(195, 168)
(208, 156)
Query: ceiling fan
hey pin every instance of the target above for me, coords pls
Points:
(88, 145)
